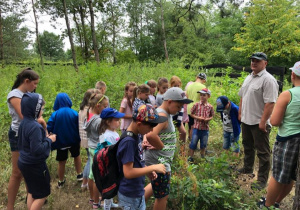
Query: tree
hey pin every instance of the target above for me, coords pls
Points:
(51, 46)
(95, 44)
(271, 26)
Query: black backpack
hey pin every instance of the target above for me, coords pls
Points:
(106, 169)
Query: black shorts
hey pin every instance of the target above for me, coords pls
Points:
(191, 121)
(13, 140)
(62, 155)
(37, 179)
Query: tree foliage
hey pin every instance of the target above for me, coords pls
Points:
(271, 26)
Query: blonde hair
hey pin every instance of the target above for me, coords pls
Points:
(173, 80)
(100, 84)
(96, 98)
(129, 100)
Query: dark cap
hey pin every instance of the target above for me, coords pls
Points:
(259, 56)
(202, 76)
(147, 113)
(222, 101)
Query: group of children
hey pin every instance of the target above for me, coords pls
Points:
(149, 123)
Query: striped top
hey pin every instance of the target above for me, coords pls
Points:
(168, 137)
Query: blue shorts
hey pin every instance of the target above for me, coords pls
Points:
(37, 179)
(13, 140)
(129, 203)
(231, 142)
(201, 135)
(161, 185)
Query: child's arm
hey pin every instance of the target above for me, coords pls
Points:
(130, 172)
(51, 123)
(123, 107)
(16, 103)
(212, 114)
(153, 137)
(280, 107)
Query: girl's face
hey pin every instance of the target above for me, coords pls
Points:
(163, 88)
(114, 124)
(174, 107)
(129, 92)
(42, 111)
(176, 84)
(143, 96)
(31, 85)
(204, 97)
(152, 90)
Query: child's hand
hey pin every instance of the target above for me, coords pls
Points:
(52, 137)
(160, 168)
(152, 176)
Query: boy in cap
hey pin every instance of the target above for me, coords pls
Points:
(286, 148)
(191, 93)
(202, 112)
(231, 125)
(131, 160)
(163, 138)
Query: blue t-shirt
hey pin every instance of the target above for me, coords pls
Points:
(130, 150)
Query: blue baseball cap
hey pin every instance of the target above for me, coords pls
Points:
(110, 112)
(222, 101)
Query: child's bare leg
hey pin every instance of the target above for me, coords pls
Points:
(148, 192)
(191, 152)
(160, 203)
(29, 200)
(182, 133)
(61, 170)
(202, 152)
(77, 163)
(90, 185)
(38, 203)
(96, 193)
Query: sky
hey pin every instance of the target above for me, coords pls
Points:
(45, 23)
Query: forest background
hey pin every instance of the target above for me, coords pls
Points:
(137, 40)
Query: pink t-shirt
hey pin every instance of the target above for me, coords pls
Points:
(125, 122)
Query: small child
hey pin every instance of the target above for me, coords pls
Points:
(84, 141)
(202, 112)
(126, 105)
(152, 84)
(162, 87)
(97, 103)
(286, 148)
(34, 148)
(64, 123)
(231, 125)
(109, 136)
(131, 160)
(100, 85)
(140, 95)
(163, 138)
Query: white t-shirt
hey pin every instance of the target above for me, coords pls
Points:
(111, 137)
(16, 120)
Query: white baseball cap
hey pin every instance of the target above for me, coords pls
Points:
(296, 68)
(176, 94)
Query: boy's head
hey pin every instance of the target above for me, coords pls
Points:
(147, 118)
(100, 85)
(175, 98)
(222, 103)
(202, 77)
(296, 70)
(152, 84)
(204, 95)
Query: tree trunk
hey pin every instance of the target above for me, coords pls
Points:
(86, 49)
(163, 30)
(114, 35)
(1, 37)
(79, 33)
(37, 34)
(93, 32)
(70, 35)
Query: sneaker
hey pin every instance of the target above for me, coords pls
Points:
(276, 205)
(79, 177)
(258, 185)
(91, 201)
(96, 206)
(84, 186)
(244, 171)
(261, 202)
(114, 205)
(60, 184)
(190, 160)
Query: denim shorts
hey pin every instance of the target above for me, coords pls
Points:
(231, 142)
(13, 140)
(201, 135)
(129, 203)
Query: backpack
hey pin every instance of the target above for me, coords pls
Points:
(106, 169)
